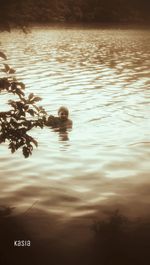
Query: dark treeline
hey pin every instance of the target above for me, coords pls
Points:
(83, 11)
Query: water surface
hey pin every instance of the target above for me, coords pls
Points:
(103, 76)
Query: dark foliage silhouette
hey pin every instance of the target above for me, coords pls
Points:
(119, 240)
(22, 116)
(20, 12)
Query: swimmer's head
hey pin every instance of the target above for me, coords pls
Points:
(63, 113)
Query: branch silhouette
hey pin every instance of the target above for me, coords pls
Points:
(23, 115)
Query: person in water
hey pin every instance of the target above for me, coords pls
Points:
(62, 121)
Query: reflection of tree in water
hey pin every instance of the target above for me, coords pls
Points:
(119, 240)
(22, 116)
(116, 240)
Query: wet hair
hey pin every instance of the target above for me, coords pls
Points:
(65, 109)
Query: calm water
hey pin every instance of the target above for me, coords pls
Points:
(103, 77)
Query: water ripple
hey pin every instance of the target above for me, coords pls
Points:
(103, 77)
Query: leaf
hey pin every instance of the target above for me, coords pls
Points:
(31, 96)
(4, 84)
(35, 142)
(20, 105)
(7, 68)
(39, 123)
(2, 139)
(22, 85)
(42, 110)
(11, 102)
(2, 55)
(25, 151)
(22, 113)
(13, 86)
(31, 112)
(12, 71)
(36, 107)
(12, 147)
(37, 98)
(19, 92)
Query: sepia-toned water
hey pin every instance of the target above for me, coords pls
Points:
(103, 77)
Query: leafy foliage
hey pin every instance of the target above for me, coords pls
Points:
(2, 55)
(23, 115)
(20, 12)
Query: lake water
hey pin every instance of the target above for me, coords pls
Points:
(103, 76)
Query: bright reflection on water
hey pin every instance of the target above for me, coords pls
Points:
(103, 77)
